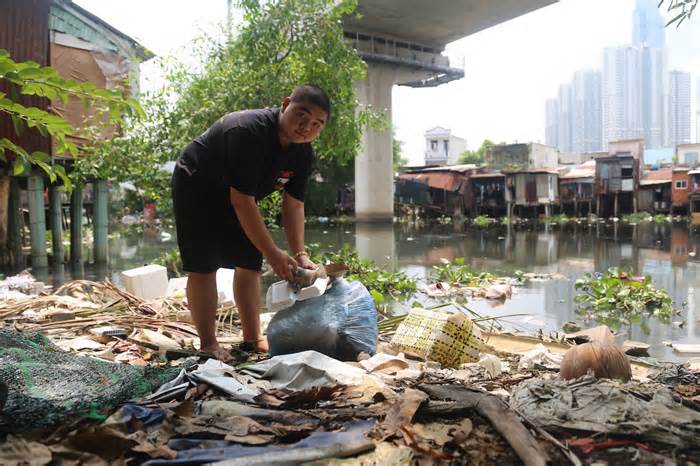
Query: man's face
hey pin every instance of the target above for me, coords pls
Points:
(301, 122)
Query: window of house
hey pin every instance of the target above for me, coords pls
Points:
(626, 172)
(681, 184)
(691, 158)
(433, 145)
(446, 145)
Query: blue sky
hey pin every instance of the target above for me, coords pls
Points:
(510, 69)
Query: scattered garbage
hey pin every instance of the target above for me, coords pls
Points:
(147, 282)
(341, 323)
(118, 379)
(450, 338)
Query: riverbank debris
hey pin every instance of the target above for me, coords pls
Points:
(506, 405)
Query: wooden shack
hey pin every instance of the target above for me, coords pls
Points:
(440, 190)
(533, 191)
(576, 189)
(655, 189)
(616, 184)
(488, 194)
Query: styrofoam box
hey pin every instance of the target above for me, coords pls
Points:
(147, 282)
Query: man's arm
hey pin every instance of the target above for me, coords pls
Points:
(254, 227)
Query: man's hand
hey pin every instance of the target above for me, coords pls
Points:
(305, 263)
(282, 263)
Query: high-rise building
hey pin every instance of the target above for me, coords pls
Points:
(630, 99)
(564, 124)
(586, 120)
(621, 94)
(551, 118)
(648, 25)
(679, 108)
(697, 111)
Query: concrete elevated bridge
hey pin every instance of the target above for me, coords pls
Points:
(402, 42)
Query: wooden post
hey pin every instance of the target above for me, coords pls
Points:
(76, 225)
(37, 220)
(14, 226)
(616, 203)
(100, 195)
(597, 206)
(55, 223)
(547, 210)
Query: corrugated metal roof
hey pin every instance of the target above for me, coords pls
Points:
(488, 175)
(585, 170)
(662, 174)
(465, 168)
(24, 34)
(445, 181)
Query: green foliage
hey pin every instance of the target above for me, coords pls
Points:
(615, 298)
(476, 157)
(279, 45)
(380, 283)
(320, 199)
(172, 261)
(271, 208)
(682, 9)
(459, 273)
(483, 221)
(29, 78)
(561, 219)
(396, 154)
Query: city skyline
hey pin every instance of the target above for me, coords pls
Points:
(638, 96)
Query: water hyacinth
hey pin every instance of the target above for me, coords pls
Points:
(617, 298)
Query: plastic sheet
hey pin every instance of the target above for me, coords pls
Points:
(341, 324)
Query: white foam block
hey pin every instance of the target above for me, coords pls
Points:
(224, 285)
(317, 289)
(280, 296)
(147, 282)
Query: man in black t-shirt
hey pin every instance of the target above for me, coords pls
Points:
(218, 179)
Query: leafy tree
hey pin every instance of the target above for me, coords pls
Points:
(476, 156)
(280, 44)
(29, 78)
(683, 10)
(396, 154)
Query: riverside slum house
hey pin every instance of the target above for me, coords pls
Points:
(82, 47)
(694, 194)
(444, 190)
(531, 177)
(655, 191)
(680, 189)
(617, 177)
(576, 189)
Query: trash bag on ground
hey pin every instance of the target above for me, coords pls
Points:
(341, 324)
(47, 385)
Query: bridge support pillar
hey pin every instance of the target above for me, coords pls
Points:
(374, 177)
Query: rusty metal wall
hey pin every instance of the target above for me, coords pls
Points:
(24, 32)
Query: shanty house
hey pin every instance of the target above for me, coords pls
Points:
(81, 47)
(616, 183)
(442, 190)
(576, 189)
(694, 194)
(531, 189)
(655, 189)
(517, 157)
(488, 193)
(680, 187)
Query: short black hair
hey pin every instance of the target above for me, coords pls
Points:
(313, 94)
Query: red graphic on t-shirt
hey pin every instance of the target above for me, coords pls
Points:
(284, 178)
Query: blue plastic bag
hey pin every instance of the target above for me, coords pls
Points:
(341, 324)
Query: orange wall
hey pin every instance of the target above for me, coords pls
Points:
(680, 196)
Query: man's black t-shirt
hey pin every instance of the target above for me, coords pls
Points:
(242, 150)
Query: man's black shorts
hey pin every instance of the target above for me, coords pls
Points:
(208, 232)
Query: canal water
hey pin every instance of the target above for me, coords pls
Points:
(669, 253)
